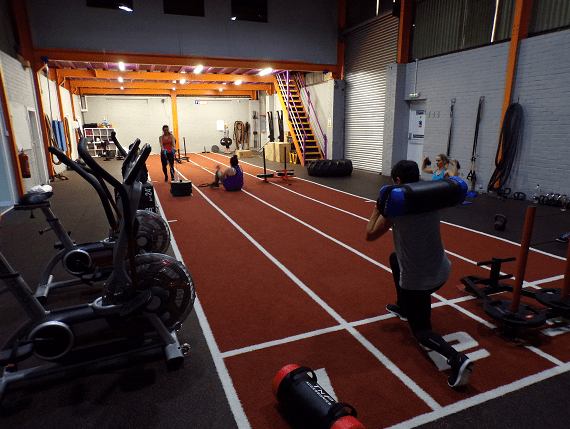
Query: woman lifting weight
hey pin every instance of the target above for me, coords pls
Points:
(445, 168)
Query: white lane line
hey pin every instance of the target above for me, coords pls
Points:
(536, 284)
(384, 267)
(318, 231)
(502, 239)
(299, 194)
(447, 223)
(305, 335)
(533, 284)
(299, 178)
(464, 311)
(333, 239)
(223, 374)
(546, 356)
(443, 301)
(407, 381)
(282, 341)
(490, 325)
(482, 397)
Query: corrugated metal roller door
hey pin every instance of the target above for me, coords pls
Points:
(369, 49)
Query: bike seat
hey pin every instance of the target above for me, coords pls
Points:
(32, 200)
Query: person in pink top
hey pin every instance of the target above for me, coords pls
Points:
(167, 150)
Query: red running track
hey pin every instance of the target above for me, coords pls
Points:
(284, 275)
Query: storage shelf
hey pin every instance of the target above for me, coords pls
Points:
(96, 138)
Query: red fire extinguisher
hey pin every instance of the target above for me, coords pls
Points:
(24, 165)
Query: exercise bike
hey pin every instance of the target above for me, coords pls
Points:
(145, 300)
(92, 262)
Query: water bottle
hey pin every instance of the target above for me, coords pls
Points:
(480, 188)
(536, 195)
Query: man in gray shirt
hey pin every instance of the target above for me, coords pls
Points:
(420, 268)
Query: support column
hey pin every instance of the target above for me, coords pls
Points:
(520, 32)
(174, 117)
(36, 71)
(341, 44)
(67, 85)
(406, 20)
(27, 47)
(59, 81)
(521, 22)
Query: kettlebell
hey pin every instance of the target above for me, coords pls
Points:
(500, 222)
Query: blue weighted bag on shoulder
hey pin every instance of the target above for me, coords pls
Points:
(421, 197)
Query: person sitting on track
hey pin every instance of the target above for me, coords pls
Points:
(445, 168)
(420, 268)
(231, 178)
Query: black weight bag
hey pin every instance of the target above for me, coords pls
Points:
(421, 197)
(180, 188)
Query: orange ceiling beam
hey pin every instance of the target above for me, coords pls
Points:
(75, 84)
(89, 56)
(108, 74)
(165, 93)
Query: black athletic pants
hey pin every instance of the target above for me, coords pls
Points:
(167, 159)
(417, 307)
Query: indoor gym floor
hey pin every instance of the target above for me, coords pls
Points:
(283, 275)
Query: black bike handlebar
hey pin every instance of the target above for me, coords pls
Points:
(117, 144)
(137, 166)
(132, 152)
(91, 180)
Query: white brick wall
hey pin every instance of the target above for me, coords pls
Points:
(542, 87)
(20, 94)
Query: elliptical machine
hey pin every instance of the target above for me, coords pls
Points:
(145, 301)
(92, 262)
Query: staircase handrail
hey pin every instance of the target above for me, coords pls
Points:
(296, 115)
(309, 103)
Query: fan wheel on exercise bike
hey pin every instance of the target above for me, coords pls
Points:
(153, 234)
(172, 286)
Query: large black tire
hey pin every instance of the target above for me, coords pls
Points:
(329, 168)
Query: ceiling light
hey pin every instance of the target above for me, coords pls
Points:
(182, 80)
(238, 82)
(120, 79)
(220, 89)
(173, 88)
(125, 8)
(265, 71)
(234, 18)
(198, 69)
(122, 66)
(173, 81)
(122, 88)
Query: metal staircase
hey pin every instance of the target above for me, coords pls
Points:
(293, 96)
